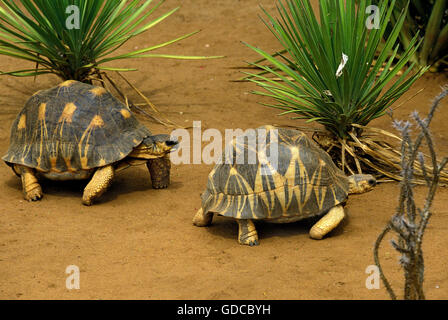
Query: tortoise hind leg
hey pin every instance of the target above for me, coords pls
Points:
(201, 219)
(247, 233)
(330, 221)
(160, 172)
(99, 183)
(32, 190)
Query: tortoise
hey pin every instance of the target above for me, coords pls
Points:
(78, 131)
(289, 179)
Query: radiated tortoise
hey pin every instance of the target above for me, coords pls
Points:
(78, 131)
(288, 180)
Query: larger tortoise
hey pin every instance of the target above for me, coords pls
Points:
(289, 179)
(78, 131)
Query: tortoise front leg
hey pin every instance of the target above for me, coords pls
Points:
(99, 183)
(30, 185)
(330, 221)
(160, 172)
(247, 233)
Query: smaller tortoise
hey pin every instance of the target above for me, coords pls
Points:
(77, 131)
(304, 183)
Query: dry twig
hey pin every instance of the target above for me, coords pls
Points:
(409, 222)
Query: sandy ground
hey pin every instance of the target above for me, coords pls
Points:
(139, 243)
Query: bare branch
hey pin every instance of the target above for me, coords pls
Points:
(409, 226)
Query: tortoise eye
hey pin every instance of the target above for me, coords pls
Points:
(170, 143)
(372, 182)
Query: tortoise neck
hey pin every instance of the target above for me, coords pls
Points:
(143, 152)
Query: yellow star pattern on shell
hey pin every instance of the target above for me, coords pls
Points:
(305, 182)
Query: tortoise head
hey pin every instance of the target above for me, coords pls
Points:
(159, 145)
(360, 183)
(154, 147)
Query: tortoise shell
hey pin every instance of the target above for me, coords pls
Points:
(72, 127)
(290, 178)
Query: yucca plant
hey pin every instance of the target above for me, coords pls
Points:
(310, 86)
(44, 33)
(331, 73)
(429, 18)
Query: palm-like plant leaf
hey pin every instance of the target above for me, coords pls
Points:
(429, 18)
(36, 31)
(309, 86)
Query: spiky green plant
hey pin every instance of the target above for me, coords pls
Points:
(41, 31)
(429, 18)
(315, 84)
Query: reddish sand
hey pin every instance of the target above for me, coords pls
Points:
(139, 243)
